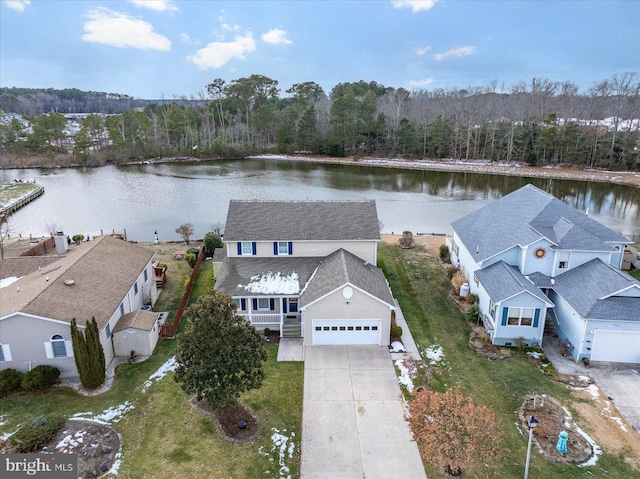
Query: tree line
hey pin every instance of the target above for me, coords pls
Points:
(538, 122)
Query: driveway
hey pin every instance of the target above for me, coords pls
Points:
(622, 385)
(353, 424)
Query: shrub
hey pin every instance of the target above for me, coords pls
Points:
(396, 331)
(10, 379)
(473, 313)
(457, 281)
(444, 252)
(195, 251)
(393, 318)
(191, 259)
(472, 298)
(451, 272)
(211, 242)
(78, 238)
(266, 331)
(40, 377)
(40, 432)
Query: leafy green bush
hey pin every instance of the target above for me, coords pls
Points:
(211, 242)
(444, 252)
(40, 377)
(191, 259)
(77, 238)
(195, 251)
(40, 432)
(473, 313)
(10, 379)
(396, 331)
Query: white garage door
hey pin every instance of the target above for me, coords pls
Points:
(335, 331)
(616, 346)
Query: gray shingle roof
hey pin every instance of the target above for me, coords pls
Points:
(540, 280)
(586, 286)
(301, 221)
(140, 319)
(527, 215)
(502, 281)
(342, 267)
(236, 273)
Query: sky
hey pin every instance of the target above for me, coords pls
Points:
(154, 49)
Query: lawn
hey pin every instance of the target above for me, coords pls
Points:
(163, 436)
(421, 287)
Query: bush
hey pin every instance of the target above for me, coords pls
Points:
(195, 251)
(472, 298)
(40, 432)
(444, 252)
(266, 331)
(10, 379)
(451, 272)
(458, 280)
(40, 377)
(393, 318)
(473, 313)
(396, 331)
(78, 238)
(191, 259)
(211, 242)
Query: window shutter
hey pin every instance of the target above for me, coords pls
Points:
(290, 247)
(253, 248)
(536, 317)
(505, 313)
(284, 305)
(255, 304)
(272, 304)
(48, 349)
(239, 248)
(275, 248)
(68, 345)
(243, 304)
(6, 352)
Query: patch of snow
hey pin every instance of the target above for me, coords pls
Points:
(7, 435)
(115, 467)
(397, 347)
(404, 377)
(273, 283)
(3, 420)
(106, 417)
(596, 449)
(434, 354)
(70, 440)
(592, 389)
(168, 366)
(8, 281)
(535, 354)
(285, 447)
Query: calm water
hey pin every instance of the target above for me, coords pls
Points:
(144, 198)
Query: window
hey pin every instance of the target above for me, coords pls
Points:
(521, 317)
(374, 328)
(283, 247)
(342, 328)
(475, 279)
(58, 347)
(146, 276)
(527, 317)
(135, 288)
(107, 331)
(318, 328)
(334, 328)
(293, 305)
(236, 301)
(5, 353)
(263, 303)
(121, 309)
(514, 317)
(349, 328)
(246, 248)
(492, 308)
(563, 259)
(562, 265)
(455, 248)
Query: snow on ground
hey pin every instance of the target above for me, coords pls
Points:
(596, 449)
(273, 283)
(115, 467)
(397, 347)
(70, 440)
(535, 354)
(7, 435)
(169, 365)
(594, 391)
(3, 420)
(404, 377)
(433, 353)
(284, 447)
(106, 417)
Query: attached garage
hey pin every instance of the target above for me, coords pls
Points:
(616, 346)
(362, 331)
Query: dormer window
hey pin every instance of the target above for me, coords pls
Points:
(282, 248)
(246, 248)
(562, 265)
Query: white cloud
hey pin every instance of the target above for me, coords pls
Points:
(421, 83)
(157, 5)
(217, 54)
(422, 50)
(456, 52)
(414, 5)
(18, 5)
(275, 36)
(121, 30)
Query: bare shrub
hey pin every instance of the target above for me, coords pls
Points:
(458, 280)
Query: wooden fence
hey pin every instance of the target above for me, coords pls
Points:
(168, 330)
(41, 248)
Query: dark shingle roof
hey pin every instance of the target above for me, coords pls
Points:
(301, 221)
(342, 267)
(502, 281)
(588, 289)
(525, 216)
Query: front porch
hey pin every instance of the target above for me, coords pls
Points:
(288, 322)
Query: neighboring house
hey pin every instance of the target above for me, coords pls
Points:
(529, 256)
(307, 269)
(105, 278)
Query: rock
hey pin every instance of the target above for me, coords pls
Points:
(104, 466)
(94, 451)
(106, 449)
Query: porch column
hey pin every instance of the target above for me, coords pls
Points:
(281, 315)
(250, 309)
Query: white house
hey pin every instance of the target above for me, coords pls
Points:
(105, 279)
(308, 269)
(529, 256)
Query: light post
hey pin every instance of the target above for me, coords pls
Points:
(533, 422)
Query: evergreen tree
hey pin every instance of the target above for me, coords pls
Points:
(80, 353)
(96, 354)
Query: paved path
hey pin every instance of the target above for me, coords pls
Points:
(353, 424)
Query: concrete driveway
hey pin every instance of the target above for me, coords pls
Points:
(353, 424)
(622, 385)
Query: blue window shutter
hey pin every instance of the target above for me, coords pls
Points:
(243, 304)
(239, 248)
(255, 304)
(284, 306)
(253, 248)
(272, 304)
(275, 248)
(290, 247)
(536, 318)
(505, 313)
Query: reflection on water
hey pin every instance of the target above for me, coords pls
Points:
(145, 198)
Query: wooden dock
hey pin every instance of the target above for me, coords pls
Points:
(9, 205)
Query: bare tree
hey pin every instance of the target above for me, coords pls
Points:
(5, 231)
(185, 230)
(52, 228)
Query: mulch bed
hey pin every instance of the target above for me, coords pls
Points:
(228, 420)
(273, 337)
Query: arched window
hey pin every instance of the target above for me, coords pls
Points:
(58, 346)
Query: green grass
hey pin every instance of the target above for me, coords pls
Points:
(635, 273)
(18, 190)
(163, 436)
(421, 287)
